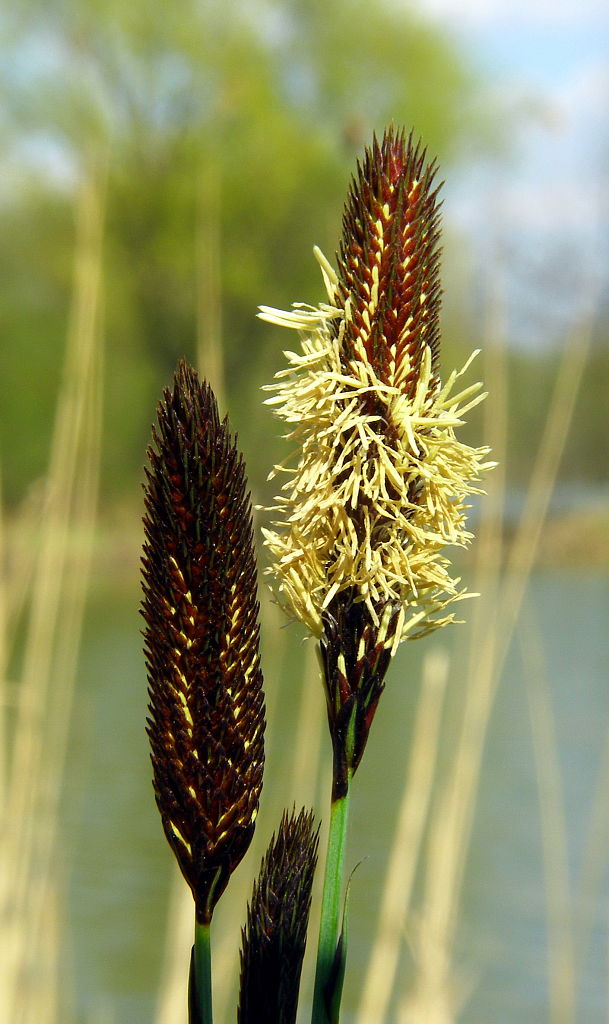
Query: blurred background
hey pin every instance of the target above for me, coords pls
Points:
(164, 171)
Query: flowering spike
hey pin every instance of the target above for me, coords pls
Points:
(206, 720)
(274, 939)
(381, 482)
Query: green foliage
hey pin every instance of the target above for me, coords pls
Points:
(236, 121)
(34, 273)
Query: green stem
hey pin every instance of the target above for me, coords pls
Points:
(331, 908)
(202, 964)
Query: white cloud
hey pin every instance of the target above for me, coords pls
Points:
(539, 12)
(584, 95)
(559, 207)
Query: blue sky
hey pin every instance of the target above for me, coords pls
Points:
(545, 207)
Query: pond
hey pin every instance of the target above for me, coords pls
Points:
(120, 870)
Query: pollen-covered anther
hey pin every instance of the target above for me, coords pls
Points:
(381, 483)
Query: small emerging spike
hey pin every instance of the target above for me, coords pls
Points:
(274, 939)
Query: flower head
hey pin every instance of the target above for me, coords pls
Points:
(274, 939)
(381, 481)
(206, 724)
(380, 484)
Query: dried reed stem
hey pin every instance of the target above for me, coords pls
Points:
(559, 903)
(433, 999)
(30, 830)
(399, 878)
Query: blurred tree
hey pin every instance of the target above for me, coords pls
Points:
(276, 98)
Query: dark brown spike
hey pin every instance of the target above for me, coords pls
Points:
(274, 939)
(206, 724)
(391, 228)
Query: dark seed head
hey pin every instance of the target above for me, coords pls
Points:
(200, 606)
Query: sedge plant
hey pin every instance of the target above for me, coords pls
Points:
(377, 488)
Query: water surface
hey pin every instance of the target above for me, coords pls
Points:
(120, 867)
